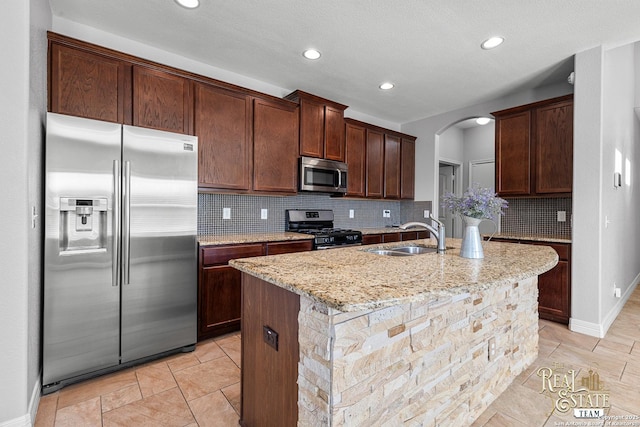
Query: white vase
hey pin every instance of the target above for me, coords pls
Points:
(471, 242)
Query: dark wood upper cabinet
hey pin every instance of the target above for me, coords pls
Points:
(513, 139)
(311, 128)
(391, 167)
(86, 84)
(554, 148)
(408, 168)
(534, 149)
(225, 147)
(322, 132)
(375, 164)
(334, 146)
(356, 159)
(161, 100)
(275, 146)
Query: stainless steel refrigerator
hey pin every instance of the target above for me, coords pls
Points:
(120, 258)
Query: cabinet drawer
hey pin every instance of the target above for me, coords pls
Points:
(276, 248)
(371, 239)
(222, 255)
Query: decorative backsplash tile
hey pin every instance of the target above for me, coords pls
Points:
(538, 216)
(246, 212)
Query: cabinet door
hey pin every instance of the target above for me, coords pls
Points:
(223, 127)
(513, 172)
(311, 128)
(161, 100)
(554, 148)
(220, 298)
(275, 147)
(391, 167)
(407, 168)
(334, 141)
(375, 163)
(553, 293)
(87, 85)
(355, 157)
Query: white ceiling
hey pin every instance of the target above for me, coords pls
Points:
(430, 49)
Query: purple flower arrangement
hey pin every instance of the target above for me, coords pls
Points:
(476, 202)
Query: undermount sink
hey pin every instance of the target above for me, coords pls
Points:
(402, 251)
(415, 250)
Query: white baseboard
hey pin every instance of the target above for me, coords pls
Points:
(587, 328)
(599, 330)
(29, 419)
(23, 421)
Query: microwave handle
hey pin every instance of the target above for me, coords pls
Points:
(339, 178)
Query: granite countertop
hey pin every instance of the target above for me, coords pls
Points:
(350, 279)
(234, 239)
(533, 237)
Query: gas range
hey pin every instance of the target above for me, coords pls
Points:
(319, 223)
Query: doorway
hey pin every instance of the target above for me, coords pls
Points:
(449, 181)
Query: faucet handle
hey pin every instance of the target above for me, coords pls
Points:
(436, 220)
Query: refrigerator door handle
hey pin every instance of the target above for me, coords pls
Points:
(115, 261)
(126, 218)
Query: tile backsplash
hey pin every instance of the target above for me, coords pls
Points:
(537, 216)
(246, 212)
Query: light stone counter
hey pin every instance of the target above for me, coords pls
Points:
(351, 279)
(533, 237)
(234, 239)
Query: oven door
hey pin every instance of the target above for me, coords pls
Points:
(322, 175)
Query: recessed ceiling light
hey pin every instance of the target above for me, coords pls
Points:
(189, 4)
(492, 42)
(386, 86)
(311, 54)
(483, 120)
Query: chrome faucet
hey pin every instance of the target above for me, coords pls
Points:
(438, 232)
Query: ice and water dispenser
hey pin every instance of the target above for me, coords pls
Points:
(83, 224)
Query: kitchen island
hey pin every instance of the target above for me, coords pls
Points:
(348, 337)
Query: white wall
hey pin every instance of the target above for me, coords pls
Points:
(452, 144)
(479, 144)
(604, 217)
(21, 109)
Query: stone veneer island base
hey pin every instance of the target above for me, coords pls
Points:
(350, 354)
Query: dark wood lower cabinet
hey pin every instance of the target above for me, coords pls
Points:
(219, 285)
(269, 375)
(219, 289)
(554, 286)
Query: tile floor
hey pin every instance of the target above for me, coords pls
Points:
(203, 388)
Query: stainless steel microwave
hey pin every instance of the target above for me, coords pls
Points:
(327, 176)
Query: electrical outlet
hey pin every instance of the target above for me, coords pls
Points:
(426, 213)
(264, 213)
(270, 337)
(386, 213)
(562, 216)
(226, 213)
(617, 292)
(492, 349)
(352, 213)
